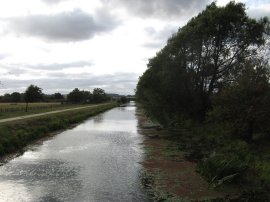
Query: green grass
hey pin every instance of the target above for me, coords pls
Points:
(228, 161)
(9, 110)
(15, 135)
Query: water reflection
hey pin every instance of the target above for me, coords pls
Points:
(96, 161)
(34, 180)
(99, 118)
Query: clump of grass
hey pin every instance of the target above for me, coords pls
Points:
(229, 164)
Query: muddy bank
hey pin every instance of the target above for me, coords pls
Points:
(168, 174)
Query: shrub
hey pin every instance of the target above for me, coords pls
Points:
(227, 165)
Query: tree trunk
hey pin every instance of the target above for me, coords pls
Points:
(249, 134)
(26, 107)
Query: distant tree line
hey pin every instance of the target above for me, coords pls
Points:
(34, 94)
(80, 96)
(17, 97)
(216, 67)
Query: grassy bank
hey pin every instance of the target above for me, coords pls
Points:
(14, 136)
(203, 162)
(168, 174)
(9, 110)
(226, 161)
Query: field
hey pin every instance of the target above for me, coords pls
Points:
(14, 107)
(8, 110)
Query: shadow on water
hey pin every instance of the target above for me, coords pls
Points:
(98, 119)
(96, 161)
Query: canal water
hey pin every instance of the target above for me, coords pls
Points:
(96, 161)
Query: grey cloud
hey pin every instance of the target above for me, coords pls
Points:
(162, 34)
(17, 71)
(159, 37)
(121, 83)
(20, 69)
(75, 25)
(53, 1)
(160, 8)
(59, 66)
(258, 13)
(14, 70)
(153, 45)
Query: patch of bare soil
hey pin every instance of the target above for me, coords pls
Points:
(172, 176)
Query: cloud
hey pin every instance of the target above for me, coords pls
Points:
(121, 83)
(70, 26)
(4, 55)
(259, 12)
(158, 37)
(17, 71)
(52, 1)
(153, 45)
(160, 8)
(59, 66)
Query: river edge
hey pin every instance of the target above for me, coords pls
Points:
(10, 156)
(168, 174)
(65, 122)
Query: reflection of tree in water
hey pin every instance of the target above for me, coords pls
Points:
(122, 108)
(47, 180)
(98, 118)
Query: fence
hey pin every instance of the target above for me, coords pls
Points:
(21, 108)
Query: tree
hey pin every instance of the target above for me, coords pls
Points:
(123, 100)
(77, 96)
(58, 96)
(32, 94)
(245, 103)
(200, 60)
(99, 95)
(7, 97)
(15, 97)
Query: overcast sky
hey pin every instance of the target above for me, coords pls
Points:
(62, 44)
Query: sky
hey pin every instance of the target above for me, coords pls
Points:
(59, 45)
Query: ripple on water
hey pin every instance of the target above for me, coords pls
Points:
(95, 161)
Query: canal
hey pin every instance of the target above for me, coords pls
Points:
(98, 160)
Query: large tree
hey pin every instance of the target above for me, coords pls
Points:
(99, 95)
(79, 96)
(199, 60)
(32, 94)
(15, 97)
(245, 103)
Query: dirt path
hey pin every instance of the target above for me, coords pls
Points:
(45, 113)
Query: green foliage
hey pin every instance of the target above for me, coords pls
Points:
(58, 96)
(245, 103)
(16, 97)
(81, 96)
(200, 60)
(13, 97)
(33, 94)
(99, 95)
(123, 100)
(227, 165)
(78, 96)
